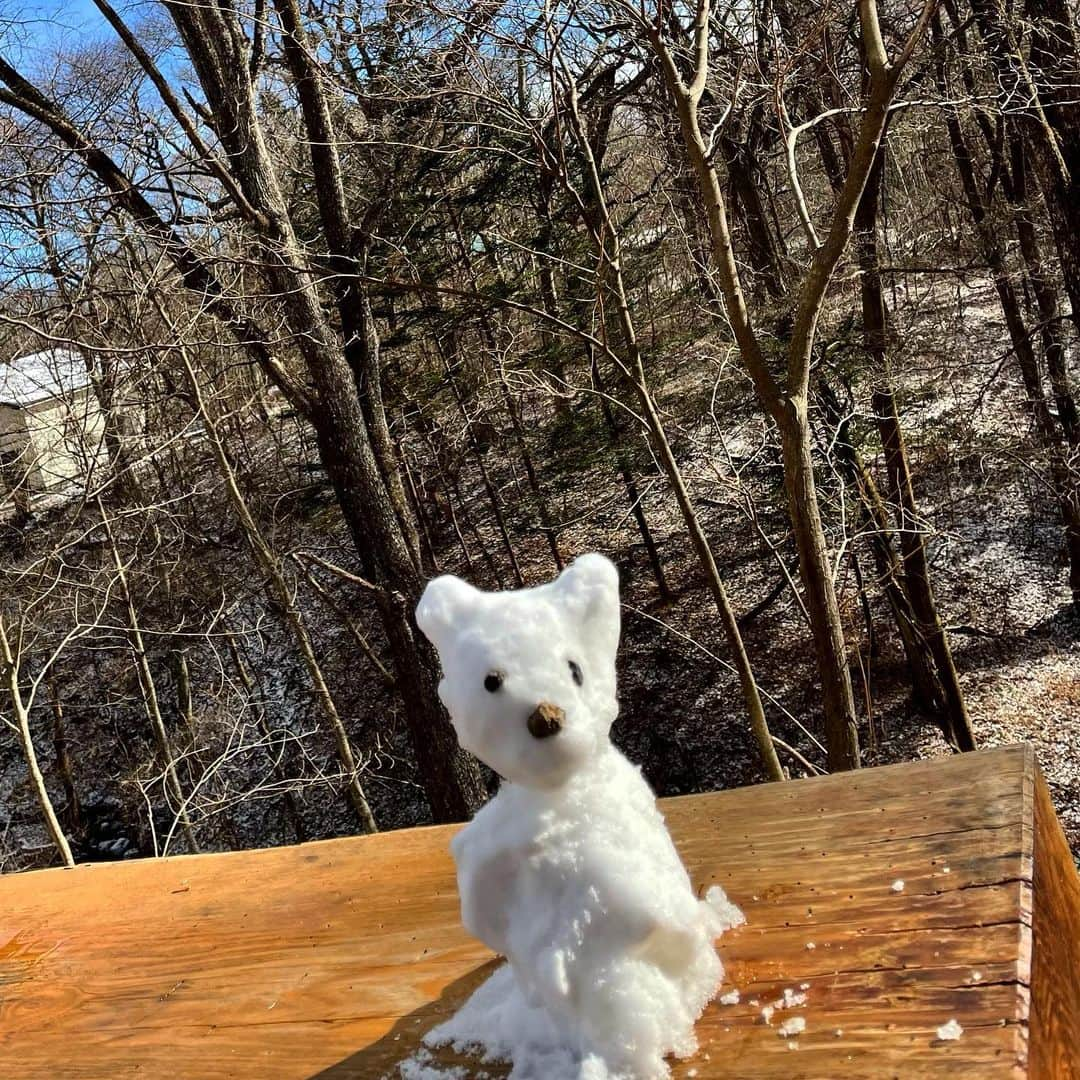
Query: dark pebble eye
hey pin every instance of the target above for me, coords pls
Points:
(575, 672)
(492, 681)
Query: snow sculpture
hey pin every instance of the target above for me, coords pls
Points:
(569, 871)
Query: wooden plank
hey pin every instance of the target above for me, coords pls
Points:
(332, 959)
(1055, 964)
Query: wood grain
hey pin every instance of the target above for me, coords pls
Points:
(1055, 966)
(331, 960)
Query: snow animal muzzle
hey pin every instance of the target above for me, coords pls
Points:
(546, 720)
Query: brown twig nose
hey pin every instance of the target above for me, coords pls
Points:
(546, 720)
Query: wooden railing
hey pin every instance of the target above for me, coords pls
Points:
(895, 899)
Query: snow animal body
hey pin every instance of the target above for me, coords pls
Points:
(569, 871)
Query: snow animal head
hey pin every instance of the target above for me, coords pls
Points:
(529, 675)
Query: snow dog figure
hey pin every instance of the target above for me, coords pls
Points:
(569, 870)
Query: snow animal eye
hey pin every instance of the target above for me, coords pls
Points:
(575, 672)
(493, 681)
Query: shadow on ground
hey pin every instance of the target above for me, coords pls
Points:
(382, 1058)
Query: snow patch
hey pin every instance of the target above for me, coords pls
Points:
(950, 1031)
(54, 373)
(421, 1066)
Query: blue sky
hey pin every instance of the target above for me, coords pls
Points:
(32, 32)
(70, 13)
(40, 23)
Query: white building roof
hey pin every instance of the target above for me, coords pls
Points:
(54, 373)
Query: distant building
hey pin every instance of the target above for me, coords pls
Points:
(50, 427)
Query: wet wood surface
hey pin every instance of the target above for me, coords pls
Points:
(330, 960)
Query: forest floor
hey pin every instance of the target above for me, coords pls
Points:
(997, 563)
(997, 568)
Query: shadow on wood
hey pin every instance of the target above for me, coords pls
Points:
(404, 1039)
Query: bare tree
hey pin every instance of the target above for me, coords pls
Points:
(787, 401)
(350, 431)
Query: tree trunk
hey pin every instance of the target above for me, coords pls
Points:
(787, 403)
(815, 570)
(72, 809)
(9, 671)
(928, 695)
(916, 570)
(1051, 333)
(547, 523)
(616, 435)
(762, 248)
(956, 722)
(431, 560)
(1055, 54)
(610, 276)
(287, 601)
(1065, 486)
(450, 360)
(181, 673)
(148, 687)
(216, 46)
(1049, 126)
(488, 336)
(348, 256)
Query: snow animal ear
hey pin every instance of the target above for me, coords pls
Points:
(444, 602)
(589, 588)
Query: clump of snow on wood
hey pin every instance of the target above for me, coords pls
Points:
(789, 999)
(727, 914)
(793, 1025)
(422, 1066)
(730, 997)
(897, 885)
(810, 945)
(569, 871)
(950, 1032)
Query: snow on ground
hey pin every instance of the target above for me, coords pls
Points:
(995, 554)
(995, 546)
